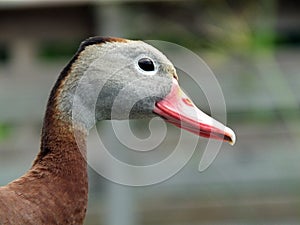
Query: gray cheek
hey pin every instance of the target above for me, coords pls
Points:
(144, 108)
(106, 100)
(132, 100)
(154, 91)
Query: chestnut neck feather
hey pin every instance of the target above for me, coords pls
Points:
(55, 189)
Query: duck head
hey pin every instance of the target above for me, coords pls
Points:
(125, 79)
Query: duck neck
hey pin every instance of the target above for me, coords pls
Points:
(61, 162)
(62, 135)
(63, 140)
(63, 144)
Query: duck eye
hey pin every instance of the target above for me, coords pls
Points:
(146, 64)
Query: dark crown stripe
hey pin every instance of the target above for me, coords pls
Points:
(90, 41)
(98, 40)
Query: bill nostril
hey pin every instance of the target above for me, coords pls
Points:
(175, 75)
(187, 101)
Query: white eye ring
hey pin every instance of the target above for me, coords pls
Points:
(146, 65)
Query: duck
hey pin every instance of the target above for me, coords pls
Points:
(55, 189)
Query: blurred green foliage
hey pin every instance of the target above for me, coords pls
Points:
(56, 50)
(5, 131)
(264, 116)
(226, 26)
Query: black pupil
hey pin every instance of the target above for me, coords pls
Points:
(146, 64)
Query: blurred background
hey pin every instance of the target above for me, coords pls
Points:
(253, 48)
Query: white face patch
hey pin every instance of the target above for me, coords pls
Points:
(146, 65)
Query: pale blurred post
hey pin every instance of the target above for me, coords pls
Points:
(22, 53)
(120, 199)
